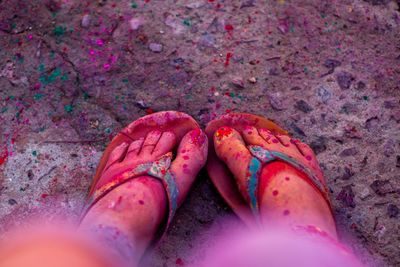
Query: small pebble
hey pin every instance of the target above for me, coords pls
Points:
(297, 129)
(303, 106)
(389, 148)
(238, 82)
(365, 193)
(275, 101)
(349, 152)
(318, 145)
(135, 23)
(346, 196)
(381, 187)
(332, 63)
(393, 211)
(344, 80)
(155, 47)
(347, 174)
(324, 94)
(86, 21)
(12, 201)
(252, 79)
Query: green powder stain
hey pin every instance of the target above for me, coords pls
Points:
(52, 54)
(187, 22)
(366, 98)
(125, 80)
(134, 5)
(59, 31)
(41, 68)
(108, 130)
(38, 96)
(4, 109)
(64, 77)
(34, 153)
(12, 97)
(305, 70)
(47, 79)
(69, 108)
(86, 96)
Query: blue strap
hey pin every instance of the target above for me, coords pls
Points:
(159, 169)
(262, 156)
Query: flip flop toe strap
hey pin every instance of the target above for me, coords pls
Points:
(262, 156)
(159, 169)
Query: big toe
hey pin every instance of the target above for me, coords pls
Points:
(191, 157)
(230, 148)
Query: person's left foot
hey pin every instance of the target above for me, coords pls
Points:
(130, 210)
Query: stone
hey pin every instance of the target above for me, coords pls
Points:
(389, 148)
(371, 123)
(156, 47)
(331, 64)
(318, 145)
(207, 40)
(346, 196)
(361, 85)
(344, 80)
(248, 3)
(303, 106)
(274, 71)
(349, 152)
(392, 211)
(86, 19)
(135, 23)
(381, 187)
(297, 129)
(238, 82)
(252, 79)
(324, 94)
(347, 174)
(365, 193)
(377, 2)
(275, 101)
(390, 104)
(12, 201)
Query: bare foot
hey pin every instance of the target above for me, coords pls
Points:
(129, 216)
(283, 194)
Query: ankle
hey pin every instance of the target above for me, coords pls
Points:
(289, 200)
(127, 218)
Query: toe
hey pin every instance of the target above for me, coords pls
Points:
(230, 148)
(134, 148)
(283, 139)
(165, 144)
(191, 157)
(116, 155)
(150, 143)
(251, 137)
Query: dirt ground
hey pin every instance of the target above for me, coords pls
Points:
(72, 73)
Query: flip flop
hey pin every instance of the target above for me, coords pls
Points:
(244, 199)
(183, 126)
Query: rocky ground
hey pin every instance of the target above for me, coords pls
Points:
(73, 73)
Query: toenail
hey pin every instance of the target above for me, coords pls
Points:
(223, 132)
(197, 137)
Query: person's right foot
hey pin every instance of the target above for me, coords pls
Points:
(285, 195)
